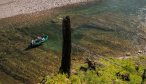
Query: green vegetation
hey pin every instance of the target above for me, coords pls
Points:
(105, 74)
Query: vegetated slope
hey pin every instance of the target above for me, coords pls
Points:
(107, 72)
(105, 33)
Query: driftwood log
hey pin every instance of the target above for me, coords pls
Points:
(91, 65)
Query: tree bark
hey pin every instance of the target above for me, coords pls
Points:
(66, 50)
(144, 77)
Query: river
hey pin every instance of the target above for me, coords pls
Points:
(108, 26)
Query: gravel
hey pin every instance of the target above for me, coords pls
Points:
(10, 8)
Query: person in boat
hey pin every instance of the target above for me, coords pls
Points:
(40, 38)
(32, 41)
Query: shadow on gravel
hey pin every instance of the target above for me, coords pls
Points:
(31, 47)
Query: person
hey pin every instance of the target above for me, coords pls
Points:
(39, 37)
(32, 41)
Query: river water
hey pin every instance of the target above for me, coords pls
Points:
(110, 22)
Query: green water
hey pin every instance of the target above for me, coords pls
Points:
(116, 19)
(116, 6)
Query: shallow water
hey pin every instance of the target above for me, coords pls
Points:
(126, 18)
(107, 22)
(122, 6)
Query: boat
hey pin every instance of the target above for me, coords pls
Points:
(39, 41)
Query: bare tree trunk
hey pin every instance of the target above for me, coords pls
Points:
(143, 77)
(66, 50)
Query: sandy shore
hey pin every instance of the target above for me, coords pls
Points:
(10, 8)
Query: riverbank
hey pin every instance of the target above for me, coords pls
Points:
(10, 8)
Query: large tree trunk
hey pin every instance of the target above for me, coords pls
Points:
(144, 77)
(66, 50)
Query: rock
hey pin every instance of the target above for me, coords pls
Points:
(74, 72)
(140, 51)
(136, 67)
(128, 54)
